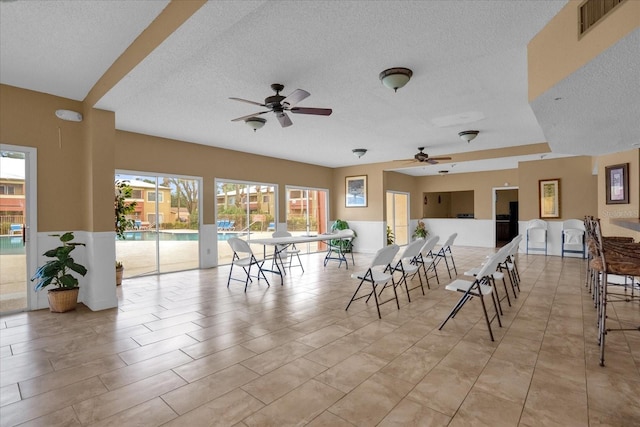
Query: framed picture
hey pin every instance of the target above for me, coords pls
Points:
(549, 196)
(617, 178)
(356, 191)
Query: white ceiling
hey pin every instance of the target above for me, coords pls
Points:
(469, 60)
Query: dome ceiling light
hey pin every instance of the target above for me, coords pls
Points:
(255, 123)
(468, 135)
(395, 78)
(359, 152)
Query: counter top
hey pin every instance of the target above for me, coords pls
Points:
(630, 223)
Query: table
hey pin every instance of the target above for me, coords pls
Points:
(291, 240)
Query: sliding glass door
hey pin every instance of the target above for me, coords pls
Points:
(307, 213)
(165, 234)
(243, 209)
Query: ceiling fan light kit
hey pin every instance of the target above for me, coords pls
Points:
(468, 135)
(395, 78)
(255, 123)
(280, 104)
(359, 152)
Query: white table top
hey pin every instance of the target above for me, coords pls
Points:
(300, 239)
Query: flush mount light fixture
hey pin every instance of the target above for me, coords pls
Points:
(68, 115)
(255, 123)
(395, 78)
(468, 135)
(359, 152)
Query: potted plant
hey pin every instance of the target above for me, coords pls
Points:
(420, 231)
(390, 236)
(122, 223)
(57, 272)
(343, 244)
(119, 273)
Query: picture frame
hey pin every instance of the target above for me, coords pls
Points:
(356, 191)
(617, 184)
(549, 198)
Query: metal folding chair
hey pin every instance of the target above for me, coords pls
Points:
(379, 272)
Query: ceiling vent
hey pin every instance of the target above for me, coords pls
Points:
(592, 11)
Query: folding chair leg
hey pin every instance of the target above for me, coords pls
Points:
(486, 316)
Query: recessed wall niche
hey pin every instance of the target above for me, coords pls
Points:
(448, 204)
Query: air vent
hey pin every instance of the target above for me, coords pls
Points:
(592, 11)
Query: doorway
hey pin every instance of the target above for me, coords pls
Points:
(17, 226)
(505, 214)
(398, 216)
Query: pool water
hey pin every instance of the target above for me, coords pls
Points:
(167, 236)
(11, 245)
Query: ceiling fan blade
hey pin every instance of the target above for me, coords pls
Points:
(284, 120)
(249, 102)
(295, 97)
(439, 158)
(248, 116)
(315, 111)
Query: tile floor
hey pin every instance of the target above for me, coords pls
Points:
(182, 349)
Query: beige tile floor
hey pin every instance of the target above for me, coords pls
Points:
(183, 350)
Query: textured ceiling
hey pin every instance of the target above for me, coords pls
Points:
(468, 59)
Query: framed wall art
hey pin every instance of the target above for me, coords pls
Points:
(617, 183)
(549, 198)
(356, 191)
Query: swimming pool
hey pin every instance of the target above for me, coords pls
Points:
(11, 245)
(169, 236)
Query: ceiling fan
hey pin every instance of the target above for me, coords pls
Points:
(422, 157)
(280, 104)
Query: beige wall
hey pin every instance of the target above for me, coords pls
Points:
(159, 155)
(630, 210)
(557, 50)
(481, 183)
(578, 187)
(28, 118)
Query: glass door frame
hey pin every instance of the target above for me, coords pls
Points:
(31, 218)
(392, 224)
(324, 214)
(156, 176)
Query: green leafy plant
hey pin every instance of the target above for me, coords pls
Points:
(57, 272)
(344, 244)
(123, 208)
(420, 231)
(390, 236)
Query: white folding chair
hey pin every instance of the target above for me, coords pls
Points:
(427, 259)
(501, 258)
(573, 237)
(408, 266)
(537, 235)
(285, 253)
(445, 253)
(379, 272)
(480, 288)
(243, 257)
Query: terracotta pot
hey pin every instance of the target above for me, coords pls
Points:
(119, 273)
(62, 300)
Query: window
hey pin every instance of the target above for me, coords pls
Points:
(7, 189)
(136, 194)
(11, 189)
(151, 196)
